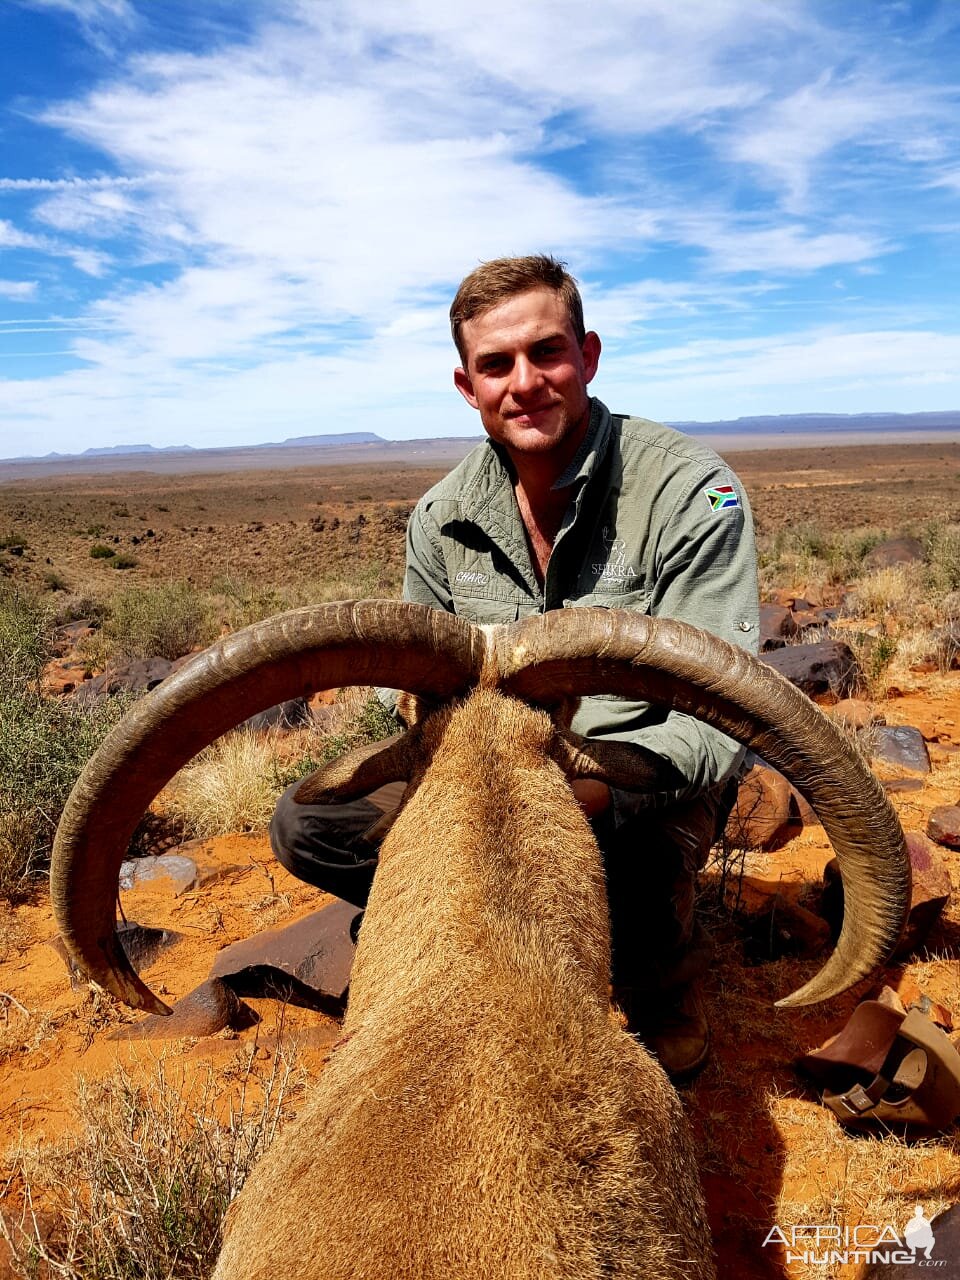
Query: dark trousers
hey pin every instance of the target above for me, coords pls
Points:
(651, 864)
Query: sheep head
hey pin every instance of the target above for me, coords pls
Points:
(542, 660)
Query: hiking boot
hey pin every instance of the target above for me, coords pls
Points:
(677, 1033)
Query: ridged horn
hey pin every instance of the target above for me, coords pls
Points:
(596, 651)
(291, 655)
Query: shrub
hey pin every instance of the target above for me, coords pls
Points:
(941, 543)
(163, 621)
(123, 561)
(13, 542)
(892, 590)
(101, 552)
(232, 786)
(44, 743)
(54, 581)
(140, 1192)
(805, 556)
(242, 602)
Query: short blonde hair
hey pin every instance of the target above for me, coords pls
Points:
(494, 282)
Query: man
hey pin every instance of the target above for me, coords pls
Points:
(567, 505)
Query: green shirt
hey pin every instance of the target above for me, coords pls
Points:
(657, 523)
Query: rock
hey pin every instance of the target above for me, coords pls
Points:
(307, 963)
(138, 676)
(909, 993)
(69, 635)
(892, 552)
(784, 929)
(930, 893)
(806, 620)
(205, 1011)
(898, 785)
(901, 746)
(285, 715)
(854, 713)
(825, 670)
(776, 626)
(762, 813)
(142, 943)
(943, 825)
(172, 866)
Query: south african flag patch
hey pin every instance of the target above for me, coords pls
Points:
(721, 496)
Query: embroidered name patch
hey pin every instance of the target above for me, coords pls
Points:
(476, 578)
(721, 496)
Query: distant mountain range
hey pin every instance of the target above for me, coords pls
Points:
(780, 424)
(298, 442)
(802, 423)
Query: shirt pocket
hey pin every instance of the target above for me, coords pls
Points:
(637, 600)
(484, 610)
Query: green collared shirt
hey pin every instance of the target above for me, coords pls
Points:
(657, 522)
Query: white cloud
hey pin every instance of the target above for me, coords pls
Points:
(90, 13)
(815, 371)
(895, 111)
(70, 184)
(790, 248)
(314, 191)
(12, 237)
(18, 290)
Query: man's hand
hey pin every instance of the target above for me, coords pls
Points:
(592, 796)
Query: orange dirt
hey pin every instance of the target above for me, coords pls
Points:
(769, 1152)
(762, 1135)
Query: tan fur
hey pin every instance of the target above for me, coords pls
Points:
(485, 1118)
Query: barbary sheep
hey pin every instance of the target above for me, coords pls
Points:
(484, 1116)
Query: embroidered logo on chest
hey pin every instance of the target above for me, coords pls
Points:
(615, 568)
(474, 577)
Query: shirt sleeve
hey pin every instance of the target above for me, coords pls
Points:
(425, 578)
(707, 576)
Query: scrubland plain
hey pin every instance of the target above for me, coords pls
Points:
(118, 1155)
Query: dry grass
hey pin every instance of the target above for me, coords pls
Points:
(232, 786)
(140, 1193)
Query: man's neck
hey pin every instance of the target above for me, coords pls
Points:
(542, 505)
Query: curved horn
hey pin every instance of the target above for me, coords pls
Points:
(664, 661)
(385, 642)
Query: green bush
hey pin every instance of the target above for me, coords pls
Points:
(13, 542)
(44, 743)
(941, 543)
(101, 552)
(164, 621)
(124, 561)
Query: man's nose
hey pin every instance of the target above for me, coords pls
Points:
(526, 376)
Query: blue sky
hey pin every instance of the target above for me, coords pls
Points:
(224, 221)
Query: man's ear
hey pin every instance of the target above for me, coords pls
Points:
(461, 380)
(590, 350)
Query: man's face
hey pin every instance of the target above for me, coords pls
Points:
(527, 374)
